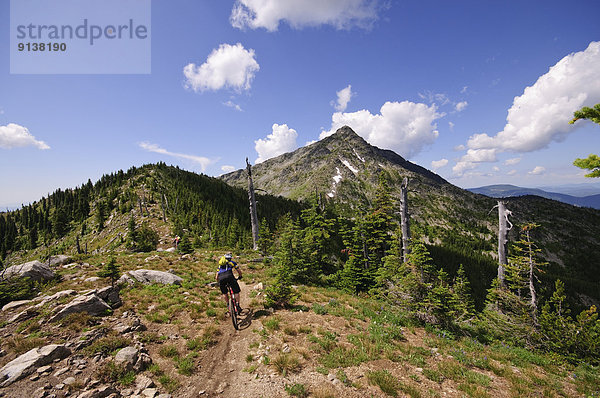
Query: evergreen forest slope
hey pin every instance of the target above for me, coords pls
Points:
(458, 226)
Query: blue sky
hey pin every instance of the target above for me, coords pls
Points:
(478, 91)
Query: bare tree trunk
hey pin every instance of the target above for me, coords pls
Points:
(141, 208)
(503, 229)
(405, 220)
(163, 206)
(531, 276)
(252, 200)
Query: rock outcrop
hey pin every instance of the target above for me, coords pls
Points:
(147, 276)
(34, 270)
(90, 303)
(27, 363)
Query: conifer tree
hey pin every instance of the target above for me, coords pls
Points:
(147, 238)
(316, 242)
(524, 267)
(185, 245)
(265, 242)
(279, 292)
(110, 270)
(355, 275)
(462, 299)
(506, 316)
(100, 214)
(132, 235)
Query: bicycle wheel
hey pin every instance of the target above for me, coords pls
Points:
(233, 311)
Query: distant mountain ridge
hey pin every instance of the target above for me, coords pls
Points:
(507, 190)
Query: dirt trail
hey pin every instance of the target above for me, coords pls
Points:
(221, 366)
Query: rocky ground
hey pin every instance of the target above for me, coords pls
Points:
(165, 333)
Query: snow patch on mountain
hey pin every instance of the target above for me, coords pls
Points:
(349, 165)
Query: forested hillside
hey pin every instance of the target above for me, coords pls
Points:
(458, 227)
(199, 208)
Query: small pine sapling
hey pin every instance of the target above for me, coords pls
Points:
(111, 270)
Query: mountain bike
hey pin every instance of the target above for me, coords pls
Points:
(233, 307)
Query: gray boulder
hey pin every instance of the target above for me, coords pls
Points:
(127, 357)
(27, 363)
(23, 315)
(147, 276)
(100, 392)
(35, 270)
(56, 296)
(92, 304)
(110, 294)
(15, 304)
(61, 259)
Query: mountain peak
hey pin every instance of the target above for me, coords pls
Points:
(346, 133)
(340, 166)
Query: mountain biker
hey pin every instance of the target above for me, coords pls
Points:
(225, 277)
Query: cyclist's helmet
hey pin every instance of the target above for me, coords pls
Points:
(228, 256)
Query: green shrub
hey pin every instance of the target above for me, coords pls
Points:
(168, 383)
(296, 390)
(16, 289)
(272, 324)
(106, 345)
(384, 379)
(168, 351)
(285, 363)
(111, 373)
(185, 366)
(319, 309)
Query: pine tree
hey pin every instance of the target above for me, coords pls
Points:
(265, 242)
(111, 270)
(132, 235)
(316, 242)
(462, 300)
(279, 292)
(147, 238)
(524, 267)
(506, 316)
(100, 214)
(185, 245)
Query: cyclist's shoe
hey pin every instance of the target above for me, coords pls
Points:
(239, 308)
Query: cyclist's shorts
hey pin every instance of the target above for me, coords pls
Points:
(229, 281)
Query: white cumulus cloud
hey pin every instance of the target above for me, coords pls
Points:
(512, 161)
(233, 105)
(472, 158)
(202, 161)
(227, 168)
(229, 66)
(461, 106)
(537, 170)
(14, 136)
(437, 164)
(343, 98)
(267, 14)
(280, 141)
(542, 113)
(404, 127)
